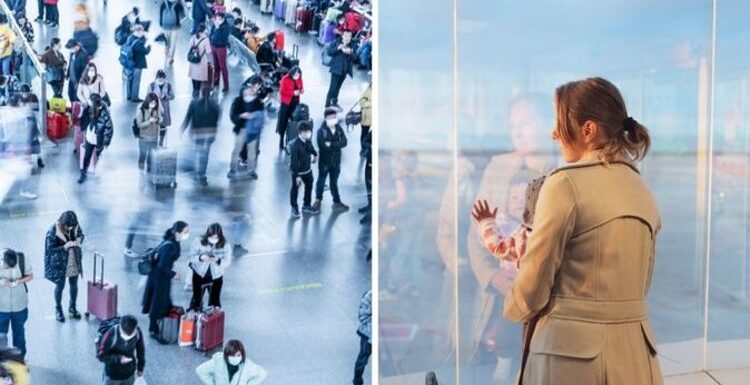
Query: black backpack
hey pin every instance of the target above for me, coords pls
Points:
(105, 326)
(194, 56)
(301, 112)
(121, 34)
(148, 260)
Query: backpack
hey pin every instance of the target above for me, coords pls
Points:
(105, 326)
(121, 34)
(126, 54)
(148, 260)
(169, 15)
(194, 55)
(301, 112)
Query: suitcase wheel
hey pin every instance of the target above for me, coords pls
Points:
(86, 315)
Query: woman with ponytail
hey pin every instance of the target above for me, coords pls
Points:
(157, 301)
(586, 271)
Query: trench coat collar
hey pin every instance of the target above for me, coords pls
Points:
(594, 159)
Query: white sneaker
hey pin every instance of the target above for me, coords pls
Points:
(130, 253)
(28, 195)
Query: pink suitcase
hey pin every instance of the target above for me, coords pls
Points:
(210, 330)
(102, 296)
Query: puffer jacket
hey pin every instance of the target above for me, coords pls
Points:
(55, 255)
(103, 128)
(214, 372)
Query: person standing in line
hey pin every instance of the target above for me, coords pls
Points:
(331, 139)
(203, 119)
(219, 42)
(41, 8)
(54, 62)
(290, 90)
(62, 261)
(207, 264)
(123, 352)
(79, 58)
(139, 49)
(342, 52)
(200, 73)
(231, 367)
(157, 299)
(98, 132)
(149, 118)
(15, 273)
(364, 331)
(53, 13)
(91, 83)
(303, 155)
(163, 90)
(171, 14)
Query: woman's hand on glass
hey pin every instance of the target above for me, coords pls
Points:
(481, 211)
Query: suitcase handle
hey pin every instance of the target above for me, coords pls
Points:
(295, 51)
(101, 273)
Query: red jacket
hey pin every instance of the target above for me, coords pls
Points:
(353, 22)
(287, 87)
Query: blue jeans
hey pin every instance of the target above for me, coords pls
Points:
(16, 321)
(202, 147)
(133, 85)
(5, 65)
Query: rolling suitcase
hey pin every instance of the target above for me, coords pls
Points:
(279, 9)
(289, 61)
(322, 33)
(280, 40)
(290, 13)
(102, 296)
(209, 330)
(187, 329)
(266, 6)
(161, 167)
(169, 326)
(57, 126)
(304, 20)
(329, 33)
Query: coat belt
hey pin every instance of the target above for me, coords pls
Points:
(598, 311)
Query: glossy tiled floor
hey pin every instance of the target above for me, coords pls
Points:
(292, 299)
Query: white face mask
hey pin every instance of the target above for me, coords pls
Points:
(126, 337)
(247, 98)
(332, 123)
(92, 74)
(161, 82)
(152, 105)
(213, 240)
(234, 360)
(307, 135)
(184, 236)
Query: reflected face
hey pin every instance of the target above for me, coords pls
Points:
(517, 201)
(525, 128)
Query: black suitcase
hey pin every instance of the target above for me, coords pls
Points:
(289, 61)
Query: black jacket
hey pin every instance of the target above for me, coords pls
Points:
(112, 348)
(300, 152)
(103, 128)
(157, 301)
(77, 64)
(140, 50)
(88, 40)
(265, 54)
(202, 116)
(341, 63)
(237, 32)
(200, 10)
(55, 255)
(220, 35)
(330, 156)
(239, 106)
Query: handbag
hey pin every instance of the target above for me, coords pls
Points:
(353, 118)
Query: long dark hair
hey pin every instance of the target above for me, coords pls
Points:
(96, 104)
(177, 227)
(86, 79)
(151, 97)
(214, 229)
(232, 348)
(67, 222)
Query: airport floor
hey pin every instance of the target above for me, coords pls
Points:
(292, 299)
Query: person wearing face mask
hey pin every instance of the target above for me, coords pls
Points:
(149, 118)
(139, 49)
(331, 139)
(79, 59)
(165, 92)
(219, 42)
(290, 90)
(303, 155)
(200, 72)
(248, 114)
(62, 260)
(207, 264)
(99, 131)
(231, 367)
(92, 83)
(343, 51)
(157, 300)
(171, 13)
(15, 273)
(55, 64)
(122, 351)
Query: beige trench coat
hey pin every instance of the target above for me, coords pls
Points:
(585, 277)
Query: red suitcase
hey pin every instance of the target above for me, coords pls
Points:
(102, 296)
(304, 20)
(57, 126)
(210, 330)
(279, 42)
